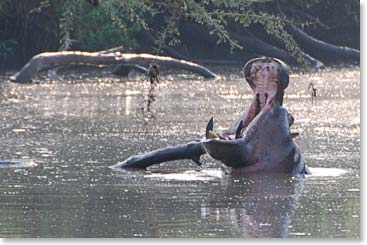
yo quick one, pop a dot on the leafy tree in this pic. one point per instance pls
(236, 26)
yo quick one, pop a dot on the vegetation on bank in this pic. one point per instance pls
(214, 31)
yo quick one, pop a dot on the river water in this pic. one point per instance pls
(68, 131)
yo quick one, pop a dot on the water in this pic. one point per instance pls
(74, 128)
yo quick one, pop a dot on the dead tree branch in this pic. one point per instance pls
(66, 58)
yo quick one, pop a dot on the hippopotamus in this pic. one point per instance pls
(259, 141)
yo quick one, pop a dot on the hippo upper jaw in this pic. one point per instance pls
(263, 76)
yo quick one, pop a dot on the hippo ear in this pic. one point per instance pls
(283, 75)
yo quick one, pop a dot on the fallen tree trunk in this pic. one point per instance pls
(124, 70)
(111, 50)
(320, 48)
(66, 58)
(252, 42)
(316, 47)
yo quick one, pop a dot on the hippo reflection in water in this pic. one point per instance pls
(259, 141)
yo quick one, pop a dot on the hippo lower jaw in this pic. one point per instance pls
(265, 145)
(236, 152)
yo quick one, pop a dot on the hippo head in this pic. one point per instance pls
(261, 136)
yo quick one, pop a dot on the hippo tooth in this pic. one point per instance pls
(239, 129)
(209, 127)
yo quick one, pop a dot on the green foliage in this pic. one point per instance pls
(244, 13)
(67, 20)
(117, 22)
(214, 21)
(84, 26)
(100, 28)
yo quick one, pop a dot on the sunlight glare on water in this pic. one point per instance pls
(78, 125)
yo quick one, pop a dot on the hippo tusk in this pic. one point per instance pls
(239, 130)
(209, 127)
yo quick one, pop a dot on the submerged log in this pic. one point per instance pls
(66, 58)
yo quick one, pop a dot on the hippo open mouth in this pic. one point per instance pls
(260, 139)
